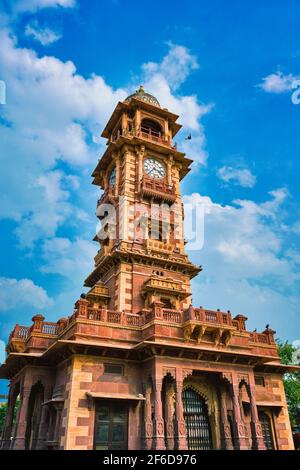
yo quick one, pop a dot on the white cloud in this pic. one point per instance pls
(21, 6)
(239, 176)
(49, 211)
(247, 267)
(278, 83)
(52, 116)
(70, 259)
(45, 36)
(161, 79)
(22, 293)
(175, 66)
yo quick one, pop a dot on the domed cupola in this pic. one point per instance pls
(140, 94)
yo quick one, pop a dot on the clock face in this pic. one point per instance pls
(154, 168)
(112, 178)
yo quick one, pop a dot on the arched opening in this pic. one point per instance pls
(150, 127)
(266, 427)
(34, 414)
(197, 421)
(168, 302)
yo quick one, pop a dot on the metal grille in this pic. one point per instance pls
(266, 430)
(196, 420)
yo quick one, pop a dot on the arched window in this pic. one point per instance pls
(151, 127)
(196, 420)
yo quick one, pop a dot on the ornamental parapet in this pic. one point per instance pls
(159, 246)
(193, 326)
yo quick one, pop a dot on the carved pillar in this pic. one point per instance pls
(158, 425)
(169, 173)
(116, 187)
(19, 440)
(148, 426)
(157, 309)
(180, 429)
(140, 171)
(50, 429)
(58, 408)
(225, 423)
(238, 425)
(44, 422)
(9, 419)
(169, 415)
(256, 430)
(248, 438)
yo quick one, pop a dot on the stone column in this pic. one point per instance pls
(116, 188)
(238, 425)
(19, 440)
(58, 408)
(225, 423)
(248, 438)
(256, 430)
(158, 425)
(169, 173)
(169, 415)
(148, 425)
(9, 420)
(140, 153)
(44, 422)
(180, 429)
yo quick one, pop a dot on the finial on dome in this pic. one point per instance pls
(141, 89)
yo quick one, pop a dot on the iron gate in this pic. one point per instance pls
(196, 420)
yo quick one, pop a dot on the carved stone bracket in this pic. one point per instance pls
(187, 331)
(243, 378)
(169, 371)
(186, 373)
(199, 332)
(227, 376)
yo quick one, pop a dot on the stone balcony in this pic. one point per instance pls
(144, 134)
(194, 327)
(157, 189)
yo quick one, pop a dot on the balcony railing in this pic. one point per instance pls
(84, 311)
(50, 328)
(173, 316)
(144, 133)
(20, 332)
(209, 316)
(158, 189)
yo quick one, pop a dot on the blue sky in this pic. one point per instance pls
(227, 68)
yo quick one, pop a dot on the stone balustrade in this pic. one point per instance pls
(84, 312)
(158, 189)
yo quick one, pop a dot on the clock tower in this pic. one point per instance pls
(141, 257)
(136, 365)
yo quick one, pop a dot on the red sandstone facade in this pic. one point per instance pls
(136, 366)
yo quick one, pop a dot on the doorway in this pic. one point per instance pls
(266, 428)
(111, 426)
